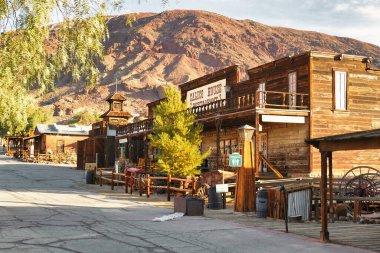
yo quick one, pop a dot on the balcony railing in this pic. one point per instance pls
(282, 100)
(137, 127)
(258, 100)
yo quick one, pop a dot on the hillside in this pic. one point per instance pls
(178, 46)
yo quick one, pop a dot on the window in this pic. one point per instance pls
(262, 95)
(340, 90)
(292, 80)
(60, 146)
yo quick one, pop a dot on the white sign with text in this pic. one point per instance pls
(207, 94)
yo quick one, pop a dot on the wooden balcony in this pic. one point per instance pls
(272, 102)
(136, 128)
(283, 103)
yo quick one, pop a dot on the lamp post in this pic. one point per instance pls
(245, 186)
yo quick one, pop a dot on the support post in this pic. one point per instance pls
(125, 181)
(168, 186)
(132, 183)
(101, 178)
(218, 125)
(324, 234)
(112, 179)
(148, 186)
(331, 197)
(140, 185)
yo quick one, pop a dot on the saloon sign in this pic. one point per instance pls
(207, 94)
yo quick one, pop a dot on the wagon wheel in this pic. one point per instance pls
(202, 191)
(356, 171)
(365, 185)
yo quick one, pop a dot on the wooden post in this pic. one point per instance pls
(132, 183)
(148, 186)
(112, 179)
(101, 177)
(245, 187)
(218, 125)
(168, 186)
(331, 197)
(193, 182)
(324, 234)
(140, 185)
(125, 181)
(357, 207)
(316, 208)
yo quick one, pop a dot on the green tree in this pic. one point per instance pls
(20, 112)
(177, 136)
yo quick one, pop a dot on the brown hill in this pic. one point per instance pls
(177, 46)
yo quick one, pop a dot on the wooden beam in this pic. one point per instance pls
(352, 144)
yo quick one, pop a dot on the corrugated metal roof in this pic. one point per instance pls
(349, 136)
(62, 129)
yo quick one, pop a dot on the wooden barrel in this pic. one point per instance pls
(215, 200)
(89, 176)
(262, 204)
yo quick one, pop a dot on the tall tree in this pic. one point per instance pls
(34, 52)
(177, 136)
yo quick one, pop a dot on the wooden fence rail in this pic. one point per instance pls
(147, 184)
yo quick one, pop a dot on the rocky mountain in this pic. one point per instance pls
(181, 45)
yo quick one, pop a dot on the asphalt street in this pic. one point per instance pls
(45, 208)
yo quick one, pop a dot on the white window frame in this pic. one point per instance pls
(340, 90)
(292, 81)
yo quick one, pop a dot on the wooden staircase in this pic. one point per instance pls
(273, 174)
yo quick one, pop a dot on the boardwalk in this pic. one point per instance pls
(365, 236)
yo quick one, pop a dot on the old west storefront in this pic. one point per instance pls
(289, 100)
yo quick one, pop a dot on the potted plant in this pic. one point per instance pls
(177, 137)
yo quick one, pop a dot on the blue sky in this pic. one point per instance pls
(359, 19)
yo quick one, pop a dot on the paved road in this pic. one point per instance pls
(49, 209)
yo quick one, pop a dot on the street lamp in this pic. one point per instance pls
(246, 132)
(245, 183)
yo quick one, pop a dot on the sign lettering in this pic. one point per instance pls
(207, 94)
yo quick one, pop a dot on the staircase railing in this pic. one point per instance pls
(270, 166)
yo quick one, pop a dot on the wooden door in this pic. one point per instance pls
(263, 149)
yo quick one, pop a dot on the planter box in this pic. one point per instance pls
(189, 206)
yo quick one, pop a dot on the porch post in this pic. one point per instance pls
(218, 124)
(331, 199)
(324, 234)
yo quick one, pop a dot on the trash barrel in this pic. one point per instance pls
(215, 200)
(262, 204)
(89, 176)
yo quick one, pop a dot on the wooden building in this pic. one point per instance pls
(287, 101)
(100, 147)
(54, 138)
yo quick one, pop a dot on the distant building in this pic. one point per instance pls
(53, 138)
(100, 147)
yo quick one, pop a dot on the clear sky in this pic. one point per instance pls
(359, 19)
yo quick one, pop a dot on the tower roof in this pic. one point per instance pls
(116, 97)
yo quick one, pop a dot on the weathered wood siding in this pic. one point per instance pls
(70, 143)
(228, 144)
(287, 150)
(363, 111)
(275, 76)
